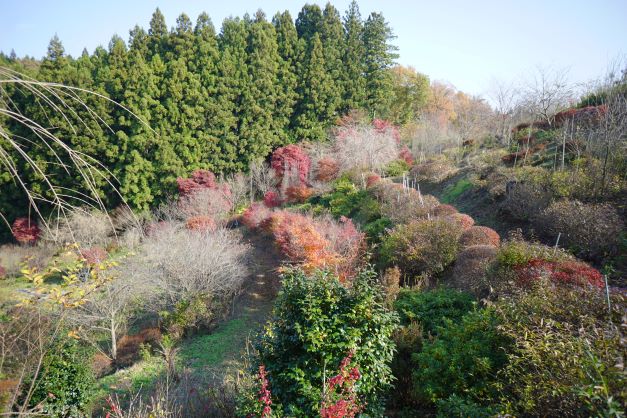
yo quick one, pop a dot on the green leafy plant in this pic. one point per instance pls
(317, 320)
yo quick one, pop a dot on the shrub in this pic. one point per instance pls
(201, 223)
(365, 148)
(291, 161)
(375, 230)
(461, 219)
(255, 215)
(85, 227)
(564, 355)
(391, 281)
(13, 257)
(25, 231)
(479, 235)
(93, 255)
(406, 155)
(200, 179)
(471, 267)
(272, 199)
(403, 205)
(592, 230)
(65, 384)
(372, 179)
(298, 194)
(177, 266)
(212, 203)
(432, 308)
(444, 210)
(327, 169)
(349, 201)
(340, 397)
(433, 170)
(3, 272)
(396, 168)
(421, 248)
(316, 321)
(456, 406)
(565, 272)
(524, 201)
(463, 360)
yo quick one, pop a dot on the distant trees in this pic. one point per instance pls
(216, 101)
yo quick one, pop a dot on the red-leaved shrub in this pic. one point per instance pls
(201, 223)
(372, 179)
(272, 199)
(463, 220)
(479, 235)
(444, 210)
(559, 272)
(264, 392)
(255, 215)
(406, 155)
(200, 179)
(340, 397)
(298, 194)
(384, 126)
(291, 160)
(328, 169)
(25, 231)
(94, 255)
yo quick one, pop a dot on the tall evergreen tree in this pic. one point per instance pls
(332, 37)
(379, 58)
(314, 108)
(309, 22)
(354, 51)
(289, 48)
(158, 32)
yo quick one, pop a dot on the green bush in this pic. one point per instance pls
(422, 248)
(317, 321)
(462, 360)
(348, 200)
(458, 407)
(564, 357)
(65, 384)
(432, 308)
(375, 230)
(396, 168)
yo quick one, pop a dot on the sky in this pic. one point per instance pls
(467, 43)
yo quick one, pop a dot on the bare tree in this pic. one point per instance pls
(505, 98)
(547, 92)
(262, 178)
(365, 148)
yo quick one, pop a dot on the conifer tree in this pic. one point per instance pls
(332, 37)
(379, 58)
(354, 81)
(309, 22)
(289, 48)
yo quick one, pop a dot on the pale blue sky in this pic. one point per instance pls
(466, 43)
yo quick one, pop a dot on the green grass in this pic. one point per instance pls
(142, 374)
(213, 349)
(451, 193)
(10, 290)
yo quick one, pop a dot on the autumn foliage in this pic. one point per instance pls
(559, 272)
(200, 179)
(94, 255)
(340, 397)
(25, 231)
(201, 223)
(291, 159)
(444, 210)
(463, 220)
(328, 169)
(298, 194)
(479, 235)
(272, 199)
(255, 215)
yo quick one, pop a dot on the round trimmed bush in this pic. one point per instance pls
(444, 210)
(470, 268)
(479, 235)
(422, 248)
(463, 220)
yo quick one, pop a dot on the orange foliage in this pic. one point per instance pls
(444, 210)
(479, 235)
(465, 221)
(328, 169)
(201, 223)
(298, 194)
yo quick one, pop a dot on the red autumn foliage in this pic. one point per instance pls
(25, 231)
(201, 223)
(444, 210)
(298, 194)
(588, 114)
(559, 272)
(317, 243)
(406, 155)
(465, 221)
(291, 159)
(272, 199)
(479, 235)
(255, 215)
(264, 393)
(340, 399)
(372, 179)
(328, 169)
(94, 255)
(200, 179)
(383, 126)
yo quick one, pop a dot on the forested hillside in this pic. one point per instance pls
(204, 98)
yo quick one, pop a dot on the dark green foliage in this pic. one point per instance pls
(462, 360)
(396, 168)
(432, 308)
(66, 382)
(456, 406)
(209, 101)
(317, 321)
(350, 201)
(376, 229)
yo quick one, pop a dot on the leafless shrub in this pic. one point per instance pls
(391, 282)
(592, 230)
(403, 204)
(85, 227)
(470, 268)
(262, 178)
(12, 257)
(177, 265)
(365, 148)
(525, 200)
(238, 185)
(436, 170)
